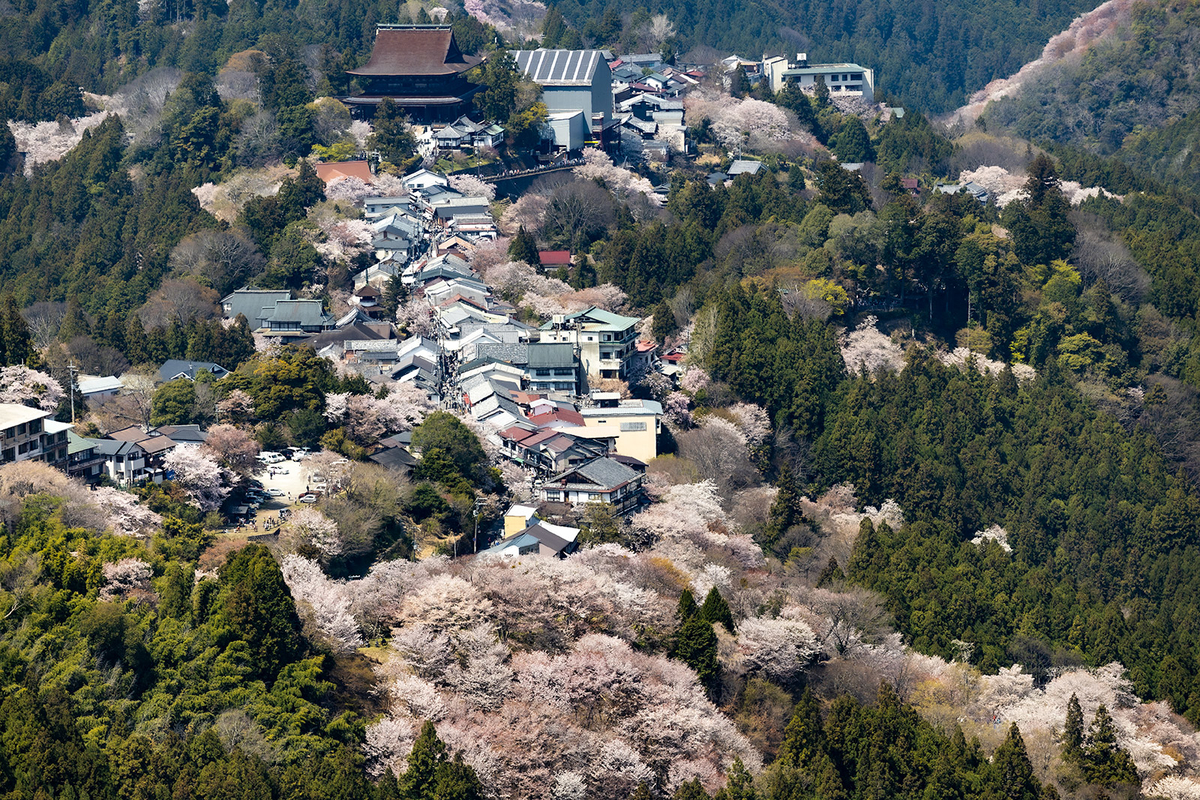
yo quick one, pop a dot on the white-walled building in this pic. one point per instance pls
(606, 341)
(843, 79)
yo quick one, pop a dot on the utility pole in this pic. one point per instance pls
(475, 513)
(71, 369)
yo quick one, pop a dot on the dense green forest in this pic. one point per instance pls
(925, 54)
(1133, 96)
(928, 54)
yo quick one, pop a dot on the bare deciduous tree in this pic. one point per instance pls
(1099, 256)
(578, 211)
(44, 320)
(225, 260)
(178, 300)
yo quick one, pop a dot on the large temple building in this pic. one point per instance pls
(421, 69)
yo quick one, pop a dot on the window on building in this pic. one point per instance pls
(21, 429)
(593, 496)
(542, 373)
(833, 78)
(553, 495)
(629, 427)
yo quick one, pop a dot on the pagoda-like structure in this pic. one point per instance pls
(421, 69)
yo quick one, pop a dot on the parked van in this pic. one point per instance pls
(270, 457)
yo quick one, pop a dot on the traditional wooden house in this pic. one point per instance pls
(421, 69)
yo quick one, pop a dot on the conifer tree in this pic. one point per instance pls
(15, 347)
(1014, 772)
(691, 790)
(428, 753)
(687, 608)
(664, 321)
(392, 137)
(523, 247)
(696, 646)
(715, 610)
(739, 84)
(1106, 761)
(739, 783)
(1073, 729)
(803, 738)
(832, 574)
(457, 780)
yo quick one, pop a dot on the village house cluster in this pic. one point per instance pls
(541, 395)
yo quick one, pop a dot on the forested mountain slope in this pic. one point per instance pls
(929, 54)
(1134, 95)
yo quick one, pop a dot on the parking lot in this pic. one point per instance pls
(291, 479)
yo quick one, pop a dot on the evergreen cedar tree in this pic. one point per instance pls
(391, 135)
(664, 321)
(1097, 755)
(15, 346)
(523, 247)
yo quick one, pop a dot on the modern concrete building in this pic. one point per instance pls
(21, 429)
(842, 79)
(606, 341)
(634, 425)
(576, 88)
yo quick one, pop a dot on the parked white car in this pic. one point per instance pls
(270, 457)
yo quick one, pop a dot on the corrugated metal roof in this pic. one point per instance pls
(559, 67)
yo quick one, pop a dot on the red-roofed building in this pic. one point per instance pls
(553, 259)
(421, 69)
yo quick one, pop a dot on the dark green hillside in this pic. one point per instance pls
(929, 54)
(1134, 96)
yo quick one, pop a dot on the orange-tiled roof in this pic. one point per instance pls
(344, 169)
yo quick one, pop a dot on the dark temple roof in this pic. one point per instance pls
(415, 50)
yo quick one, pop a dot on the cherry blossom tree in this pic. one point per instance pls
(750, 121)
(753, 422)
(368, 419)
(238, 406)
(694, 379)
(683, 510)
(416, 317)
(24, 386)
(866, 346)
(470, 186)
(621, 182)
(529, 212)
(128, 579)
(677, 410)
(233, 448)
(348, 189)
(313, 529)
(205, 481)
(780, 648)
(43, 142)
(126, 517)
(326, 599)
